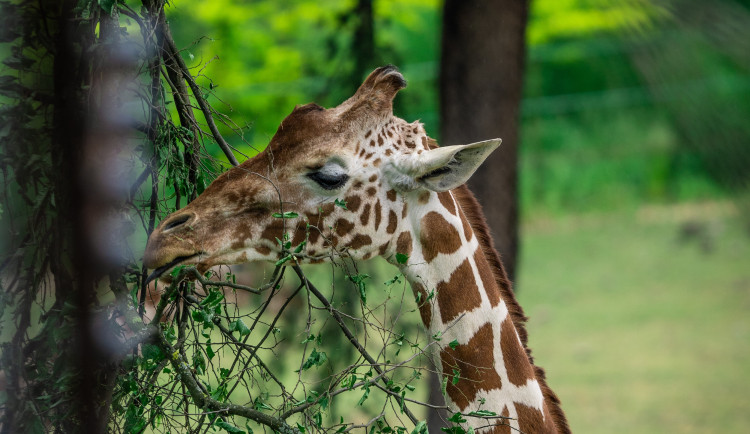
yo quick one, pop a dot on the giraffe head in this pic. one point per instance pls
(330, 180)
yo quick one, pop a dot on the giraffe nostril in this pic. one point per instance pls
(177, 221)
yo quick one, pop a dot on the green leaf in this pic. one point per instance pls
(259, 404)
(152, 352)
(177, 270)
(453, 344)
(315, 359)
(203, 317)
(456, 376)
(228, 427)
(395, 279)
(364, 396)
(421, 428)
(359, 280)
(401, 258)
(286, 215)
(213, 299)
(300, 247)
(239, 325)
(483, 413)
(199, 363)
(283, 260)
(457, 418)
(340, 203)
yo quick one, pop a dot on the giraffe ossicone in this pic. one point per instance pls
(362, 183)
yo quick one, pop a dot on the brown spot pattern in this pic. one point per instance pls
(476, 365)
(299, 234)
(391, 195)
(501, 427)
(403, 244)
(404, 210)
(365, 216)
(371, 191)
(424, 197)
(353, 202)
(383, 248)
(515, 359)
(373, 177)
(378, 215)
(437, 236)
(459, 294)
(530, 420)
(274, 230)
(392, 222)
(343, 227)
(359, 240)
(263, 250)
(314, 235)
(446, 199)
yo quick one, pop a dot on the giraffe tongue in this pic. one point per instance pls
(159, 271)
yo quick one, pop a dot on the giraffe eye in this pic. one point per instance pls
(329, 180)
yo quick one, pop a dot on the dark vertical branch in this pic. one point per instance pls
(181, 97)
(154, 47)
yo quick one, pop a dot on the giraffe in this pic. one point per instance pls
(363, 182)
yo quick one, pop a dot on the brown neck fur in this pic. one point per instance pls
(473, 211)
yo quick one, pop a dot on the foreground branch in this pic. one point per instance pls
(349, 335)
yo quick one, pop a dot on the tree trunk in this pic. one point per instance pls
(481, 74)
(480, 94)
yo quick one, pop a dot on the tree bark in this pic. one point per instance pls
(481, 75)
(481, 72)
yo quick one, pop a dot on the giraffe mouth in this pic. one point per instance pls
(164, 268)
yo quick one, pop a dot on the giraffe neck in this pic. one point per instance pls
(462, 305)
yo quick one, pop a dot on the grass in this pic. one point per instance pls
(641, 318)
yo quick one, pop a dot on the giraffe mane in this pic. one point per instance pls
(473, 212)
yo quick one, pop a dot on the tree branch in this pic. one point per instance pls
(174, 55)
(349, 335)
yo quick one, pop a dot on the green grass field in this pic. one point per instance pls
(641, 318)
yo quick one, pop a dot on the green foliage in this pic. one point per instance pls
(359, 280)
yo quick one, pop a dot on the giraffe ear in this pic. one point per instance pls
(447, 167)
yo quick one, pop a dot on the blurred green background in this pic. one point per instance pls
(633, 157)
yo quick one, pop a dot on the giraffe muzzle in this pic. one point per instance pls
(164, 268)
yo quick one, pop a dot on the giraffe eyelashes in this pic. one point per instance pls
(329, 180)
